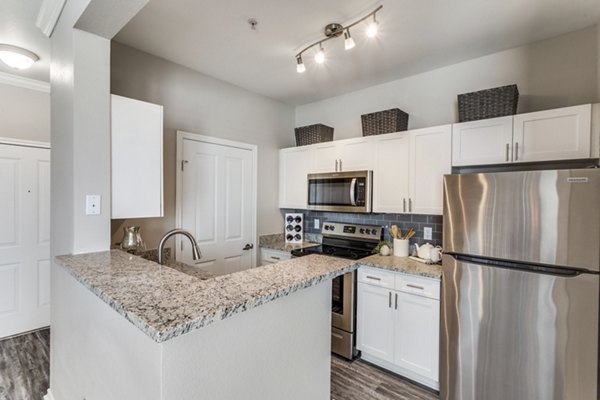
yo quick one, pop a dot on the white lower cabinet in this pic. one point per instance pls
(398, 327)
(271, 256)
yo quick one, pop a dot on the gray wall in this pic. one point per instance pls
(25, 113)
(552, 73)
(196, 103)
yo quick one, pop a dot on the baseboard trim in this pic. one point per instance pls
(48, 395)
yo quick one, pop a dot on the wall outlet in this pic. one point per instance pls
(427, 232)
(93, 204)
(317, 223)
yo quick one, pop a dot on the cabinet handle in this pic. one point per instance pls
(390, 301)
(373, 277)
(336, 165)
(396, 301)
(410, 285)
(275, 258)
(403, 205)
(409, 204)
(507, 151)
(516, 151)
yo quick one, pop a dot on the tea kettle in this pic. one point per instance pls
(132, 240)
(428, 251)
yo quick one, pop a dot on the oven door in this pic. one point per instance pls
(340, 191)
(342, 302)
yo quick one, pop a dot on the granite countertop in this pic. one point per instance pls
(165, 303)
(277, 242)
(402, 264)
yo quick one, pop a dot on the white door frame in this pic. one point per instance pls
(181, 135)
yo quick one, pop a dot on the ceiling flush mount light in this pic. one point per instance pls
(17, 57)
(335, 30)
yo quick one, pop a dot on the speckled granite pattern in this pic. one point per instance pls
(277, 242)
(402, 264)
(190, 270)
(165, 303)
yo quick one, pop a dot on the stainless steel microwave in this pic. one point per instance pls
(340, 191)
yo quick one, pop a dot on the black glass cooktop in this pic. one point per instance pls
(352, 254)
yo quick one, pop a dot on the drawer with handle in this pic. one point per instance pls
(426, 287)
(270, 256)
(376, 277)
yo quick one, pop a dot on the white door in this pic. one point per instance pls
(294, 165)
(375, 322)
(487, 141)
(561, 134)
(390, 173)
(218, 204)
(417, 334)
(24, 239)
(430, 160)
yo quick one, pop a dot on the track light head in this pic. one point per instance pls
(320, 55)
(348, 41)
(300, 68)
(373, 28)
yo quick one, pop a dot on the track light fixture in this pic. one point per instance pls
(336, 30)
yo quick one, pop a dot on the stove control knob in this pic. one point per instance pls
(326, 227)
(362, 230)
(374, 232)
(332, 228)
(368, 232)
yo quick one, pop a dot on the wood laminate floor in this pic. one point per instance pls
(25, 366)
(358, 380)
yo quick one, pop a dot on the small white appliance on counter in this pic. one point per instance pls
(294, 232)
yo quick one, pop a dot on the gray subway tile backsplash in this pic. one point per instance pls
(404, 222)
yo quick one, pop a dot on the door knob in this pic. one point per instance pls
(248, 246)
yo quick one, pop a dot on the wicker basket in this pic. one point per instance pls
(387, 121)
(312, 134)
(489, 103)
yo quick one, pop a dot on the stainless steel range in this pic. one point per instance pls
(354, 242)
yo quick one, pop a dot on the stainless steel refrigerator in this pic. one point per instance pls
(520, 286)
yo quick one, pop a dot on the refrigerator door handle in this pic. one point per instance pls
(521, 266)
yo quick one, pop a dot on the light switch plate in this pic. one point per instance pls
(427, 232)
(317, 223)
(93, 204)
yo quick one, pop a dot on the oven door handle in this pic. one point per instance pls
(352, 192)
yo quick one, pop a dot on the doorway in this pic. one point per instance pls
(24, 236)
(216, 202)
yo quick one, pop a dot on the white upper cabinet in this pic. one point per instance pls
(344, 155)
(561, 134)
(552, 135)
(136, 158)
(430, 159)
(390, 173)
(294, 164)
(487, 141)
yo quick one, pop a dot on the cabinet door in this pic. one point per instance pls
(430, 160)
(136, 158)
(390, 173)
(357, 154)
(488, 141)
(375, 322)
(326, 157)
(294, 164)
(417, 326)
(561, 134)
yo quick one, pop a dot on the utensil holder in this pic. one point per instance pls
(401, 247)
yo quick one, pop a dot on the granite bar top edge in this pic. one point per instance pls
(403, 265)
(277, 242)
(268, 291)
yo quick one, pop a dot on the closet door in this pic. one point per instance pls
(24, 239)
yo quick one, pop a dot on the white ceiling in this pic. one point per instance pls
(214, 38)
(17, 27)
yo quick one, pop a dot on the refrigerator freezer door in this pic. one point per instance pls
(540, 217)
(510, 334)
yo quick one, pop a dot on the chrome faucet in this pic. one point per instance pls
(196, 254)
